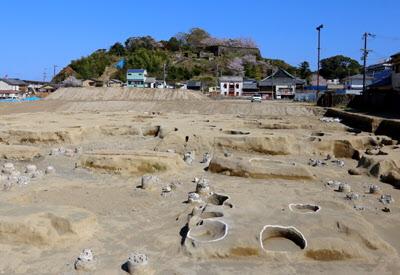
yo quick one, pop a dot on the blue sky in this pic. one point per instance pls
(40, 34)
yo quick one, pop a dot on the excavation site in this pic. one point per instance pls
(151, 181)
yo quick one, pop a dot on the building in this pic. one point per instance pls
(150, 82)
(194, 85)
(231, 85)
(376, 69)
(280, 85)
(115, 83)
(136, 78)
(92, 82)
(250, 87)
(354, 84)
(49, 88)
(13, 84)
(12, 94)
(396, 71)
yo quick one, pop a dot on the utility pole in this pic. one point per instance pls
(366, 52)
(44, 74)
(54, 74)
(164, 77)
(319, 50)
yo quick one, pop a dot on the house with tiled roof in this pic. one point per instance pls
(12, 88)
(194, 85)
(281, 85)
(92, 82)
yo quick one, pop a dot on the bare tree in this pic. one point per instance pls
(72, 82)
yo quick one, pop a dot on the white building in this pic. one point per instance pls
(354, 84)
(231, 85)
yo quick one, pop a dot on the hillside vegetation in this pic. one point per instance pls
(186, 56)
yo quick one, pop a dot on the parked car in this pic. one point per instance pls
(256, 98)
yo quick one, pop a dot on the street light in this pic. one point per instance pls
(319, 49)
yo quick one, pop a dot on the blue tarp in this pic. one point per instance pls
(120, 64)
(23, 99)
(321, 88)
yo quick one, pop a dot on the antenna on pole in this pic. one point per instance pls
(54, 74)
(364, 57)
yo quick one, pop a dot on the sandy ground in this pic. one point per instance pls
(94, 199)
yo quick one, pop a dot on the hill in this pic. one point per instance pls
(186, 56)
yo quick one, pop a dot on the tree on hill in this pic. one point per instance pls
(195, 37)
(339, 66)
(304, 71)
(72, 82)
(117, 49)
(133, 44)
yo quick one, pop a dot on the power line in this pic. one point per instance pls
(388, 37)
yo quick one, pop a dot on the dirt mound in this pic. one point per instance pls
(19, 152)
(259, 168)
(124, 94)
(131, 162)
(39, 224)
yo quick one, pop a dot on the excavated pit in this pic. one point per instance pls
(282, 239)
(304, 208)
(208, 231)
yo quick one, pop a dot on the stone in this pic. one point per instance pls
(54, 151)
(339, 163)
(50, 170)
(138, 264)
(175, 184)
(86, 261)
(344, 188)
(78, 149)
(30, 169)
(38, 175)
(187, 158)
(228, 155)
(7, 168)
(207, 158)
(69, 153)
(386, 199)
(352, 197)
(375, 189)
(203, 187)
(23, 180)
(194, 198)
(148, 181)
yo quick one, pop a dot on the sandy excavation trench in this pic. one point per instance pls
(114, 217)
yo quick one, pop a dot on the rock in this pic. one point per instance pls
(207, 158)
(203, 187)
(78, 149)
(352, 197)
(194, 198)
(30, 169)
(148, 181)
(386, 209)
(375, 189)
(228, 155)
(69, 153)
(50, 170)
(386, 199)
(175, 184)
(86, 261)
(344, 188)
(7, 168)
(138, 264)
(54, 151)
(38, 175)
(339, 163)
